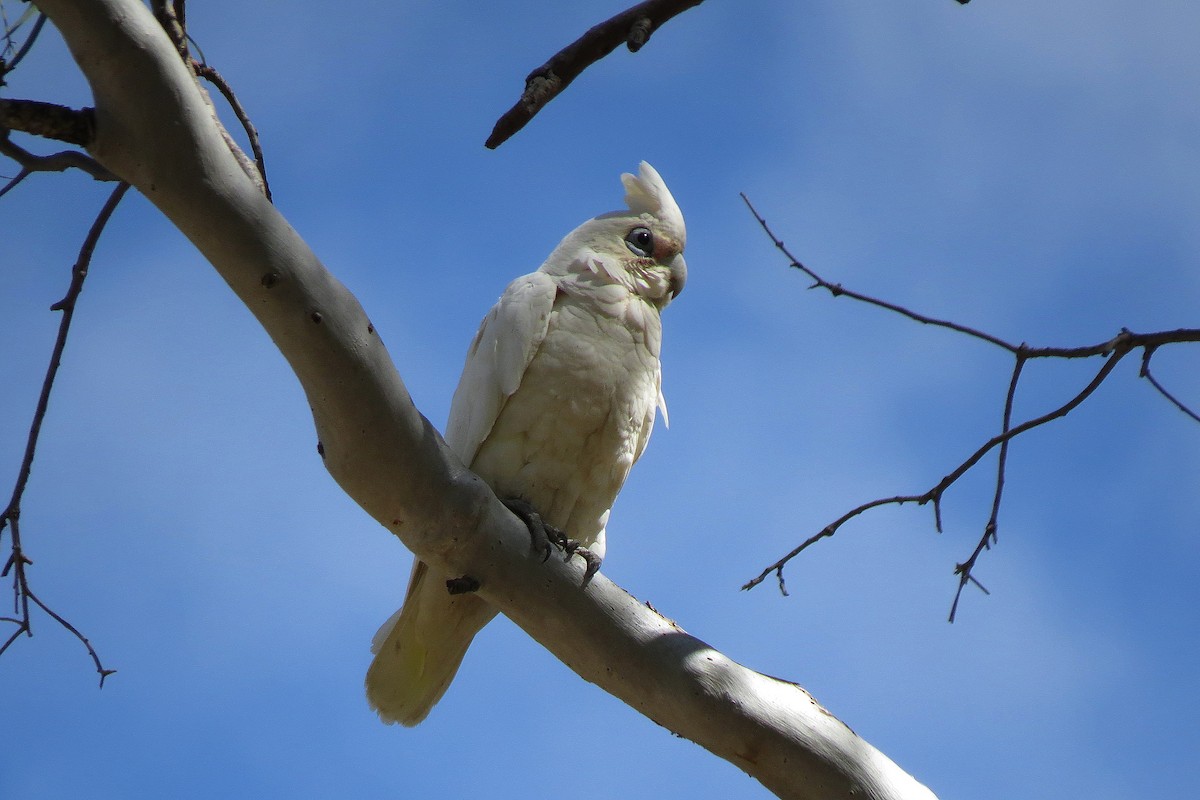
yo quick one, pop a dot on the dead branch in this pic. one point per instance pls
(1112, 350)
(632, 27)
(18, 561)
(48, 120)
(8, 66)
(55, 162)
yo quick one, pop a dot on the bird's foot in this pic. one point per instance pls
(593, 563)
(544, 537)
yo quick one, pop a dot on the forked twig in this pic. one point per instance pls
(18, 561)
(1112, 350)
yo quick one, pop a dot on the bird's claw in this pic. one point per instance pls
(544, 537)
(593, 563)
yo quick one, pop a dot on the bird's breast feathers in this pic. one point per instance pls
(567, 438)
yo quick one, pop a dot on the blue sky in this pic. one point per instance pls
(1026, 168)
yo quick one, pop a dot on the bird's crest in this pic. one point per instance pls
(647, 193)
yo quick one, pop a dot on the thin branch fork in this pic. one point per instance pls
(78, 126)
(632, 27)
(55, 162)
(17, 561)
(1112, 350)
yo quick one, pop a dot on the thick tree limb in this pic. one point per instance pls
(154, 129)
(49, 120)
(632, 27)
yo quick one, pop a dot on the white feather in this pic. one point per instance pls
(556, 402)
(505, 344)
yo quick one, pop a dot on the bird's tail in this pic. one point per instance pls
(419, 649)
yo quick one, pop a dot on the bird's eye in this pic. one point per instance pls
(640, 241)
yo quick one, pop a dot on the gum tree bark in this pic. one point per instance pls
(155, 129)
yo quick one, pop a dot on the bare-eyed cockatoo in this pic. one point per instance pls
(555, 403)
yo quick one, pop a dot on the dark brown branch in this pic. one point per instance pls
(989, 530)
(837, 290)
(1177, 336)
(24, 595)
(632, 27)
(1145, 373)
(935, 494)
(17, 560)
(170, 16)
(74, 126)
(830, 530)
(1113, 350)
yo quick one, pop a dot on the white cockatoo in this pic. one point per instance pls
(555, 403)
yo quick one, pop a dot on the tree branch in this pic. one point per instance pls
(1147, 354)
(1113, 350)
(56, 162)
(17, 561)
(8, 66)
(154, 129)
(632, 27)
(49, 120)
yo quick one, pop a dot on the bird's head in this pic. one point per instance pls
(640, 248)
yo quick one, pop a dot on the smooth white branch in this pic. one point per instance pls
(155, 130)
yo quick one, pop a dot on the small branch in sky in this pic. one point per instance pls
(632, 27)
(1147, 354)
(1112, 350)
(56, 162)
(11, 64)
(837, 290)
(18, 561)
(989, 530)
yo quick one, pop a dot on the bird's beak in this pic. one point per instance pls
(678, 269)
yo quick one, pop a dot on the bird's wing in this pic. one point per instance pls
(506, 342)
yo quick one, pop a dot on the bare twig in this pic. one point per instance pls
(837, 290)
(8, 66)
(1147, 354)
(632, 27)
(17, 560)
(1112, 350)
(55, 162)
(989, 530)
